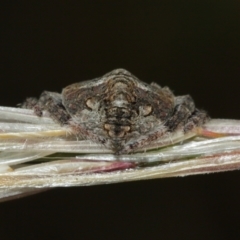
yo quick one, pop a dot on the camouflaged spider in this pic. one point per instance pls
(119, 111)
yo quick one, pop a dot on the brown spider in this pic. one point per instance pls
(119, 111)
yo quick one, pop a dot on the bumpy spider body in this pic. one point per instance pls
(119, 111)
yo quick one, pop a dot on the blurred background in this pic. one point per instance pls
(190, 46)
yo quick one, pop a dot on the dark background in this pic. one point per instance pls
(191, 46)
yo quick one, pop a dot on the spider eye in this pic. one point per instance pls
(145, 110)
(91, 103)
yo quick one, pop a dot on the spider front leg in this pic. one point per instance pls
(185, 115)
(50, 102)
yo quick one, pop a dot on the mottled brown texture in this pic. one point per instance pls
(119, 111)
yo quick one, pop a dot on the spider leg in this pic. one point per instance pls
(50, 102)
(185, 115)
(141, 141)
(197, 119)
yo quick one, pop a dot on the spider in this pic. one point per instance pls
(119, 111)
